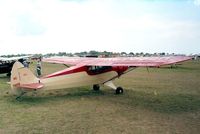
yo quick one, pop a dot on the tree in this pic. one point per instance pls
(93, 53)
(131, 54)
(123, 53)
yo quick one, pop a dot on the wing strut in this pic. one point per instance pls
(117, 76)
(110, 84)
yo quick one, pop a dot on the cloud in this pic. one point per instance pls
(197, 2)
(25, 26)
(43, 26)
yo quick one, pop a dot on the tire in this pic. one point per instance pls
(96, 87)
(119, 90)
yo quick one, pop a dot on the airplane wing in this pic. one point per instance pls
(13, 58)
(120, 61)
(66, 60)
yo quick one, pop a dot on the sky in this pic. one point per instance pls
(51, 26)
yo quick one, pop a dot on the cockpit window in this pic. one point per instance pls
(98, 69)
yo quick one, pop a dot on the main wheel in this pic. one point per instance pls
(119, 90)
(96, 87)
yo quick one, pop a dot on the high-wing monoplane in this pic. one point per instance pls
(84, 72)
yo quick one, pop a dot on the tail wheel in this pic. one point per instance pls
(96, 87)
(119, 90)
(8, 74)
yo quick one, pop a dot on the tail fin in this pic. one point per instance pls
(22, 77)
(15, 77)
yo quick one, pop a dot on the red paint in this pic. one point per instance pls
(119, 69)
(77, 69)
(74, 69)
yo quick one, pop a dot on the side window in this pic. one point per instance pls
(92, 70)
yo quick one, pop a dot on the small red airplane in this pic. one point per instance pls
(84, 72)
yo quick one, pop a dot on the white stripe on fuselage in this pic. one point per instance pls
(76, 80)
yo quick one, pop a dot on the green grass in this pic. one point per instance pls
(162, 100)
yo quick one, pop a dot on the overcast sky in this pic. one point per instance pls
(43, 26)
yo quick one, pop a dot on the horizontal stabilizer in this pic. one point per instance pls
(22, 77)
(31, 86)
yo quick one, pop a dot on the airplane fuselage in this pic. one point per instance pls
(81, 76)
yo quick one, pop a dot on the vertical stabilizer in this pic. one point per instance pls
(15, 77)
(23, 78)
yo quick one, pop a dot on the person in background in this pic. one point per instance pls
(25, 63)
(39, 68)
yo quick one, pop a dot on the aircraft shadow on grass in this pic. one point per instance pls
(162, 103)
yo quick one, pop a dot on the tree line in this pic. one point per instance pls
(89, 53)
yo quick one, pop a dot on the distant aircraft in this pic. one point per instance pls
(6, 64)
(84, 72)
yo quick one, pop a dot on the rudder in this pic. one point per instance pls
(21, 75)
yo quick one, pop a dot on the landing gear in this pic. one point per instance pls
(18, 97)
(96, 87)
(119, 90)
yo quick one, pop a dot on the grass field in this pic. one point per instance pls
(163, 101)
